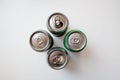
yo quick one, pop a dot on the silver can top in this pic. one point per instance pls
(39, 40)
(76, 41)
(57, 59)
(57, 22)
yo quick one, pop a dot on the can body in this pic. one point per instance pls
(57, 24)
(57, 58)
(41, 41)
(75, 41)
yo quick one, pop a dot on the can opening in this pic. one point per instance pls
(58, 22)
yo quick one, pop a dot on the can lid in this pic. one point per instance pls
(39, 40)
(57, 58)
(57, 22)
(75, 41)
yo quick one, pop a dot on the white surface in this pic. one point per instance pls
(98, 19)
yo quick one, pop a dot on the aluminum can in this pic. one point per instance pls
(57, 58)
(57, 24)
(75, 41)
(41, 40)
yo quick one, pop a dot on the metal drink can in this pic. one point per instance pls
(75, 41)
(57, 24)
(57, 58)
(41, 41)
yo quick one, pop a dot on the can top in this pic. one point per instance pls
(39, 40)
(57, 22)
(75, 40)
(57, 58)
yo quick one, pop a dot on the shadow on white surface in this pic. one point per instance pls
(75, 63)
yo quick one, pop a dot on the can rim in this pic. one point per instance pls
(48, 22)
(64, 52)
(65, 41)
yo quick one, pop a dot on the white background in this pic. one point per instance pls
(98, 19)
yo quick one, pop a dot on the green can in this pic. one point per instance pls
(75, 41)
(57, 24)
